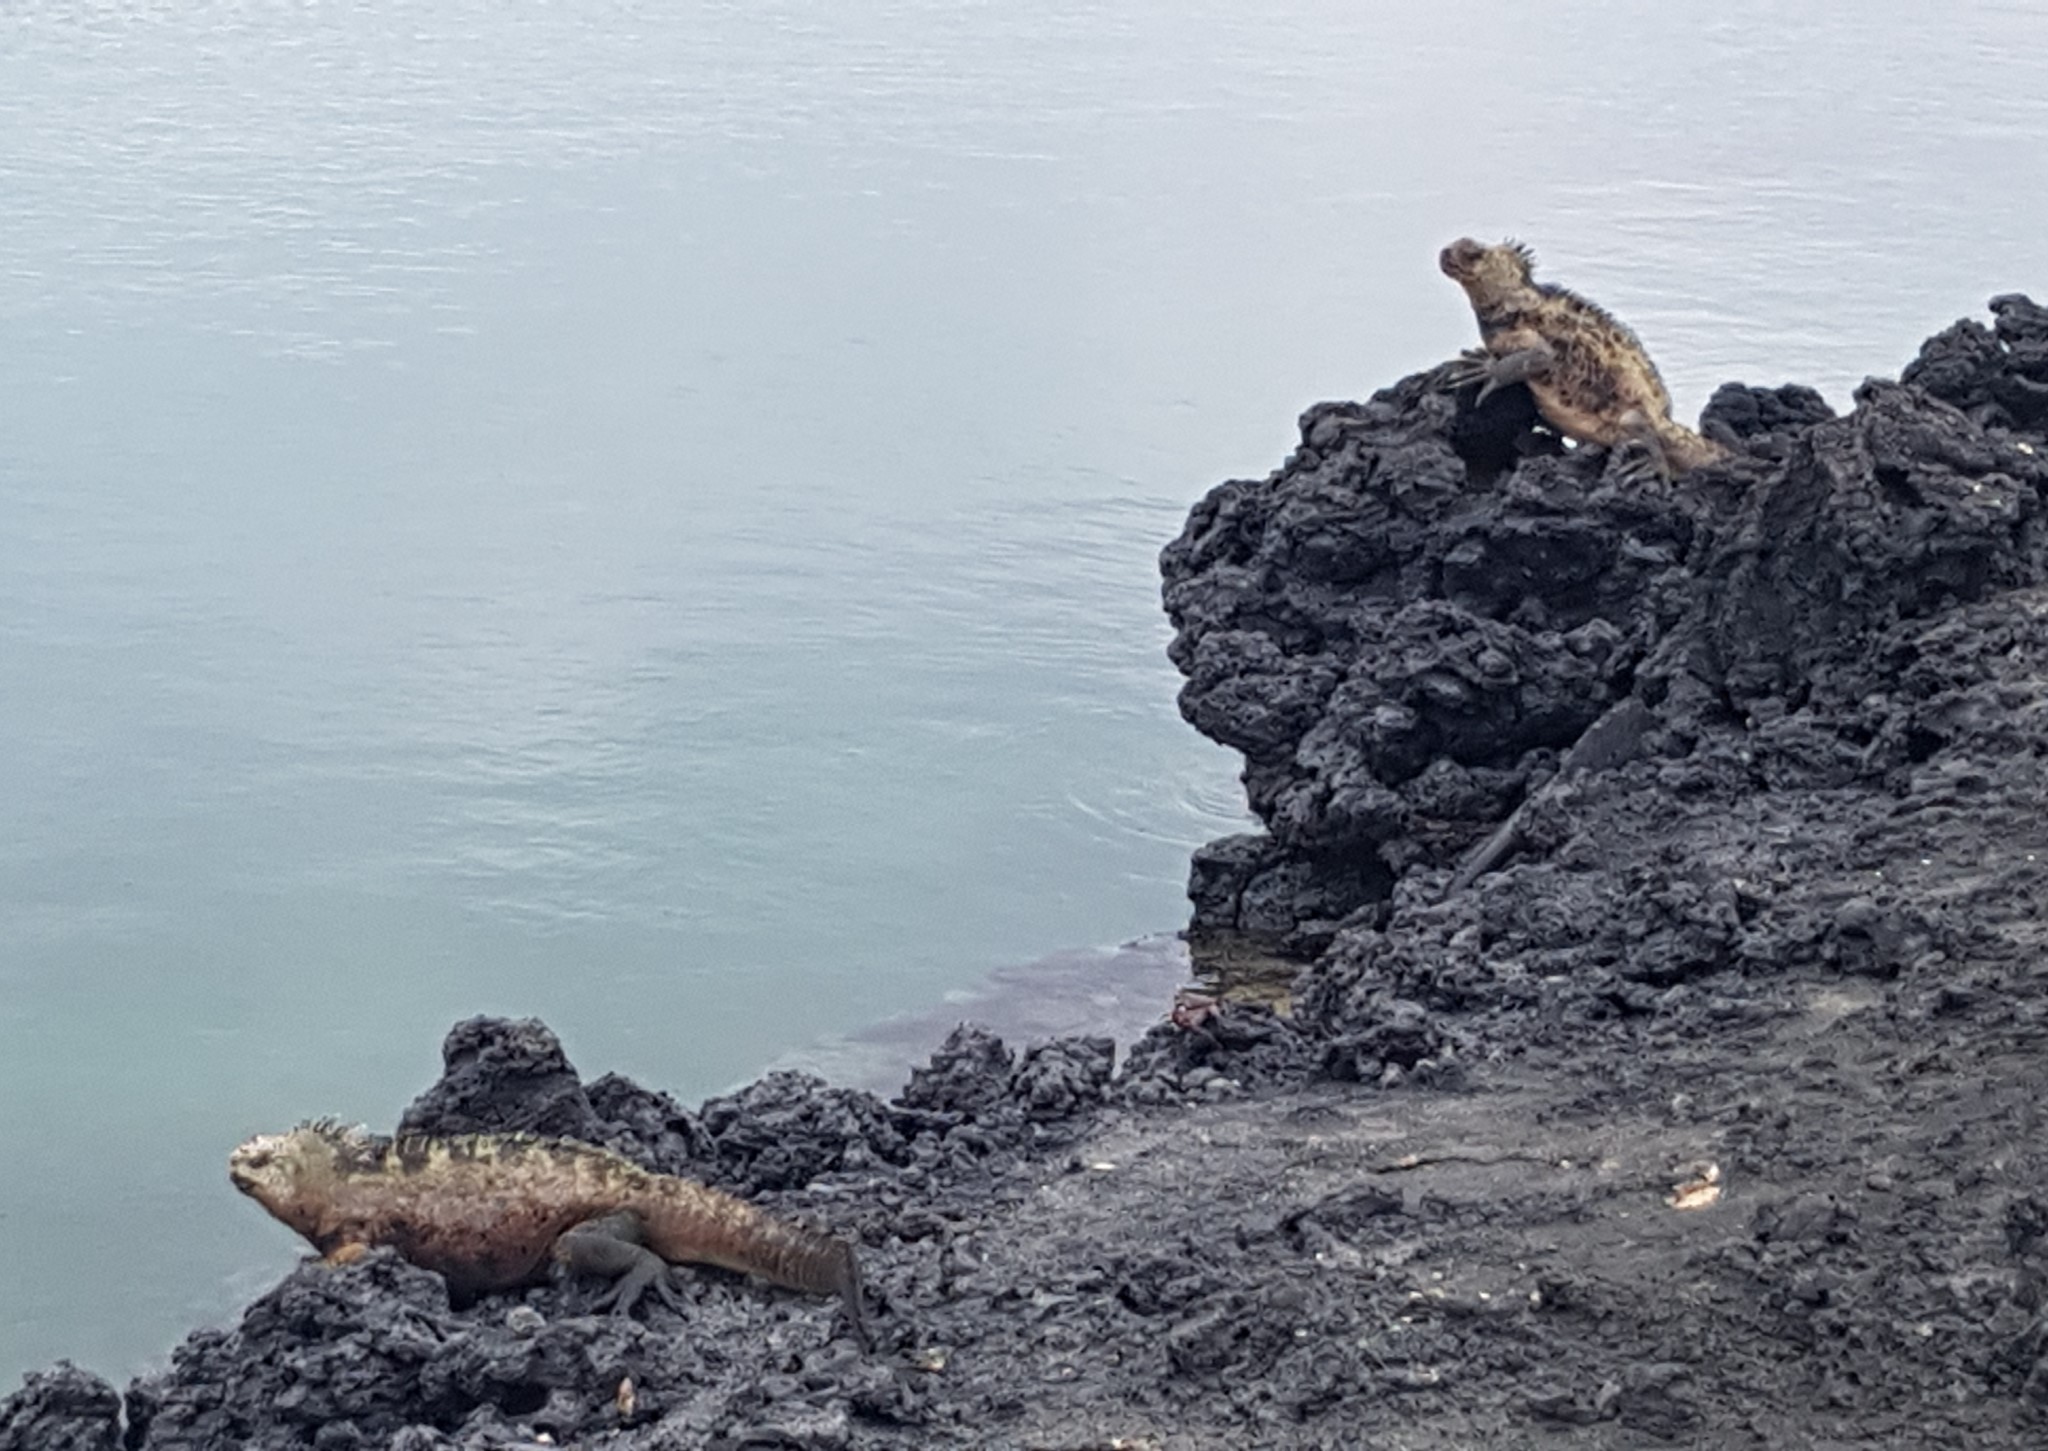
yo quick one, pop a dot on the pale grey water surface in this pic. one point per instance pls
(645, 514)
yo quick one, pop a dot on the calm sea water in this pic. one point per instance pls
(645, 513)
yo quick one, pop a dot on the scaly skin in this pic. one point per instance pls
(488, 1211)
(1588, 373)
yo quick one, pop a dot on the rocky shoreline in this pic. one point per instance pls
(1667, 866)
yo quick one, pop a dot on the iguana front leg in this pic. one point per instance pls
(615, 1246)
(1513, 357)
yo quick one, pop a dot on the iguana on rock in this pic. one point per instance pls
(1588, 373)
(488, 1211)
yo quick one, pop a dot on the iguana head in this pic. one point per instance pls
(1487, 273)
(292, 1174)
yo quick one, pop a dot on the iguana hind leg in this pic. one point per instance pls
(1639, 455)
(615, 1246)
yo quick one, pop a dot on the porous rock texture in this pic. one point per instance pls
(1644, 847)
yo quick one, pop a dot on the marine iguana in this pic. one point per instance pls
(1588, 373)
(487, 1211)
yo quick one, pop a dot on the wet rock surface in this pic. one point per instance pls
(1668, 867)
